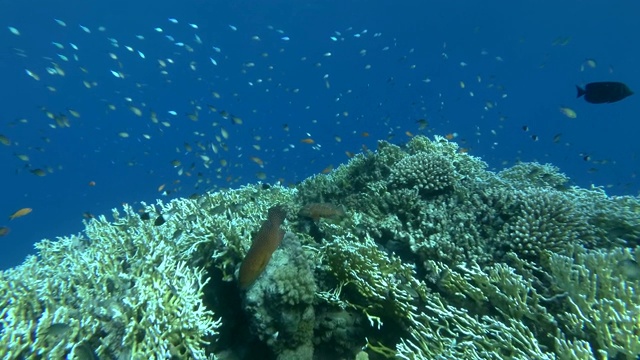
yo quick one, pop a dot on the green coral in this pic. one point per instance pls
(602, 305)
(478, 314)
(380, 283)
(527, 175)
(544, 220)
(427, 173)
(515, 217)
(128, 288)
(124, 290)
(435, 257)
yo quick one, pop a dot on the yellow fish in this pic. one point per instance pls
(4, 140)
(20, 213)
(568, 112)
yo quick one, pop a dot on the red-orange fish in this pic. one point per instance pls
(265, 242)
(328, 169)
(316, 211)
(20, 213)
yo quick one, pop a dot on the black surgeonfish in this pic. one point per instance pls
(604, 92)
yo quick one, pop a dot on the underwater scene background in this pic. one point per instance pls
(311, 180)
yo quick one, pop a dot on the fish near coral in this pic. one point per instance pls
(265, 242)
(316, 211)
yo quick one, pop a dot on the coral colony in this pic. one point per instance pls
(414, 252)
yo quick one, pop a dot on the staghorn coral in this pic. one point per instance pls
(130, 289)
(123, 291)
(478, 314)
(601, 304)
(380, 288)
(447, 332)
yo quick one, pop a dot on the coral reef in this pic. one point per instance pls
(280, 303)
(125, 290)
(413, 252)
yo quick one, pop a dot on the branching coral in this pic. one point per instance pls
(428, 173)
(602, 306)
(544, 220)
(122, 291)
(428, 256)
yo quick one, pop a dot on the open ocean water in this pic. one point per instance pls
(113, 102)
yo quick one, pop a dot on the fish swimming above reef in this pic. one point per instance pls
(20, 213)
(604, 92)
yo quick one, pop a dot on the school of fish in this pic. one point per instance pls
(214, 139)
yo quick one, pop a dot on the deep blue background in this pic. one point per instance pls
(525, 74)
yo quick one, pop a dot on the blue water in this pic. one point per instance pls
(357, 71)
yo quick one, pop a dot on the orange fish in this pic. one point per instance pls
(316, 211)
(257, 160)
(308, 141)
(265, 242)
(20, 213)
(328, 169)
